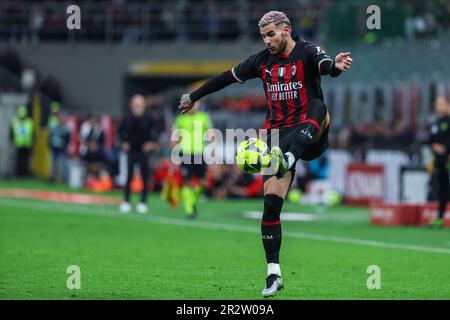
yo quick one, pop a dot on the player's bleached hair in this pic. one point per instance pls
(276, 17)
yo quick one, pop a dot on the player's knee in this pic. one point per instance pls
(272, 207)
(311, 126)
(317, 110)
(315, 117)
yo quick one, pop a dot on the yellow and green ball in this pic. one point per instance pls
(334, 197)
(252, 155)
(294, 196)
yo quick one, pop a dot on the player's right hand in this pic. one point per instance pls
(186, 103)
(343, 61)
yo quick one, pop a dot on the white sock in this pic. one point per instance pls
(273, 268)
(291, 159)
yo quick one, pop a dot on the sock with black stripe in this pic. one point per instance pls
(271, 229)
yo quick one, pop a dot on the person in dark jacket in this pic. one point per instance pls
(135, 132)
(440, 146)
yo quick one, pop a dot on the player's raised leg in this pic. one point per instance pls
(308, 132)
(275, 191)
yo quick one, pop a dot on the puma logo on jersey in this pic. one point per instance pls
(269, 72)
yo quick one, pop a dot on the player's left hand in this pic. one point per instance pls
(343, 61)
(185, 103)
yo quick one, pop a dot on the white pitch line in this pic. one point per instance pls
(86, 210)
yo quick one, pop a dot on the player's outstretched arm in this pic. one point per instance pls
(334, 68)
(215, 84)
(326, 65)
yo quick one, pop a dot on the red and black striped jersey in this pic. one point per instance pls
(290, 81)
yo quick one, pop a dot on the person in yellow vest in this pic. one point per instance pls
(22, 128)
(189, 130)
(59, 139)
(55, 110)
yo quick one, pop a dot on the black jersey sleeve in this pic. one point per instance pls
(246, 70)
(215, 84)
(322, 62)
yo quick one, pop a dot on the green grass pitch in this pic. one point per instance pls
(162, 255)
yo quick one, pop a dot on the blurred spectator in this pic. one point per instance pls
(94, 159)
(132, 32)
(427, 20)
(59, 141)
(21, 134)
(92, 137)
(36, 23)
(55, 110)
(217, 179)
(92, 141)
(135, 132)
(243, 185)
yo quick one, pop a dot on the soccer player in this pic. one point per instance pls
(135, 131)
(440, 146)
(290, 69)
(189, 129)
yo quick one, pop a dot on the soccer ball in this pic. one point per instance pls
(294, 196)
(252, 155)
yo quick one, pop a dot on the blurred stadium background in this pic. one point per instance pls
(378, 158)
